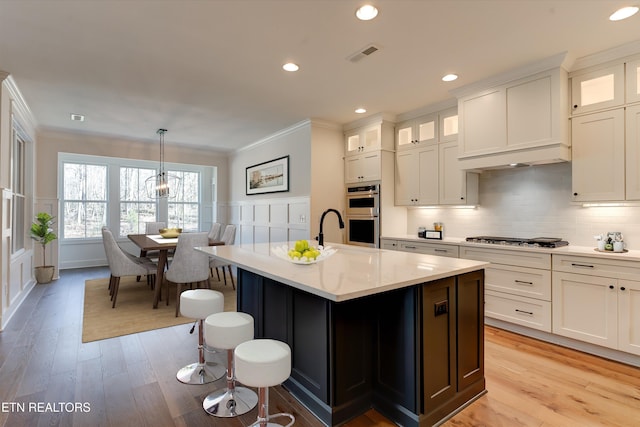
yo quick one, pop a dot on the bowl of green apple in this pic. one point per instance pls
(303, 253)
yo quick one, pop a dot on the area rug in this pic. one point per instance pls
(133, 312)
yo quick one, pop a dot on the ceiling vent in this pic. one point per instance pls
(363, 53)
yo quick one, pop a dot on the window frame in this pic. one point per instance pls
(206, 174)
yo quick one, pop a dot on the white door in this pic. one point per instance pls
(629, 316)
(597, 154)
(585, 308)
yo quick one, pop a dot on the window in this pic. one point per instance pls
(18, 186)
(96, 191)
(135, 207)
(184, 209)
(84, 203)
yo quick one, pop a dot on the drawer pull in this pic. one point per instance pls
(573, 264)
(524, 312)
(410, 247)
(441, 250)
(522, 282)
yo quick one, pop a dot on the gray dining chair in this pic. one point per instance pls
(122, 263)
(214, 232)
(229, 238)
(188, 266)
(151, 228)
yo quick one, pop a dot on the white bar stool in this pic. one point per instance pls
(198, 304)
(226, 331)
(263, 363)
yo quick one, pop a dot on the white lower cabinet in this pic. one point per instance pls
(430, 248)
(517, 285)
(389, 244)
(602, 310)
(529, 312)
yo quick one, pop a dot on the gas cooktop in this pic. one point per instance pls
(536, 242)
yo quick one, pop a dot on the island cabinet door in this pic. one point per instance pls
(438, 343)
(470, 329)
(295, 317)
(397, 352)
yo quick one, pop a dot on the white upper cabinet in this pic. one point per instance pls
(362, 167)
(633, 81)
(448, 125)
(598, 151)
(422, 130)
(597, 89)
(362, 140)
(416, 181)
(365, 142)
(632, 157)
(519, 117)
(456, 186)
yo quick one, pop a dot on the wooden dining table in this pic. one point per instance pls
(146, 244)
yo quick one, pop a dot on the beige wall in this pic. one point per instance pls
(293, 142)
(50, 143)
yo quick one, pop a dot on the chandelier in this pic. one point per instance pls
(163, 185)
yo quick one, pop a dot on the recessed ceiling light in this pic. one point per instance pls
(290, 66)
(77, 117)
(366, 12)
(449, 77)
(623, 13)
(361, 110)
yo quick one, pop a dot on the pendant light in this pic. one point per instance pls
(163, 185)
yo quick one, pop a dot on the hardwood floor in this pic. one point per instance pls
(130, 381)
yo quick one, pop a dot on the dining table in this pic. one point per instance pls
(155, 242)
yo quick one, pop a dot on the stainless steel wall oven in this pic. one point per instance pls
(363, 215)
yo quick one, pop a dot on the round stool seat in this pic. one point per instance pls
(262, 362)
(228, 329)
(200, 303)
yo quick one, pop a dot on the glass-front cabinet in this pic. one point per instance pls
(633, 81)
(362, 140)
(419, 131)
(448, 125)
(597, 89)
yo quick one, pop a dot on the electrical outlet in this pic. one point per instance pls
(441, 307)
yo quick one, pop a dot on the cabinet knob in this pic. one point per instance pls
(611, 286)
(575, 106)
(461, 198)
(575, 194)
(623, 288)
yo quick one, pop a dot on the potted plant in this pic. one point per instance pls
(42, 232)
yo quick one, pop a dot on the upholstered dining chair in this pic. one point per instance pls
(229, 238)
(214, 232)
(151, 228)
(122, 263)
(188, 266)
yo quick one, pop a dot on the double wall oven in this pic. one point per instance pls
(363, 215)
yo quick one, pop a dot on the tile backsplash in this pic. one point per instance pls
(531, 201)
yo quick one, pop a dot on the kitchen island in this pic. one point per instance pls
(399, 332)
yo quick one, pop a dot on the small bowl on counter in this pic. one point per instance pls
(170, 233)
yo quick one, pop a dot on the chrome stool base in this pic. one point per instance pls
(230, 403)
(201, 373)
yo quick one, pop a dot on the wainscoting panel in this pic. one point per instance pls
(271, 220)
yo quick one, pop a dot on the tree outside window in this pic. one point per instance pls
(184, 209)
(136, 208)
(84, 200)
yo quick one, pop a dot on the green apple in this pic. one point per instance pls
(301, 246)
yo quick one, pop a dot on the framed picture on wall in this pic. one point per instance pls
(268, 177)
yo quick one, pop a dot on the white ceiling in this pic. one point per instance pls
(210, 71)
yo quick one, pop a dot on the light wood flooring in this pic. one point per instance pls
(130, 381)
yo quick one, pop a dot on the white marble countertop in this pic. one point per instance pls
(352, 272)
(631, 255)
